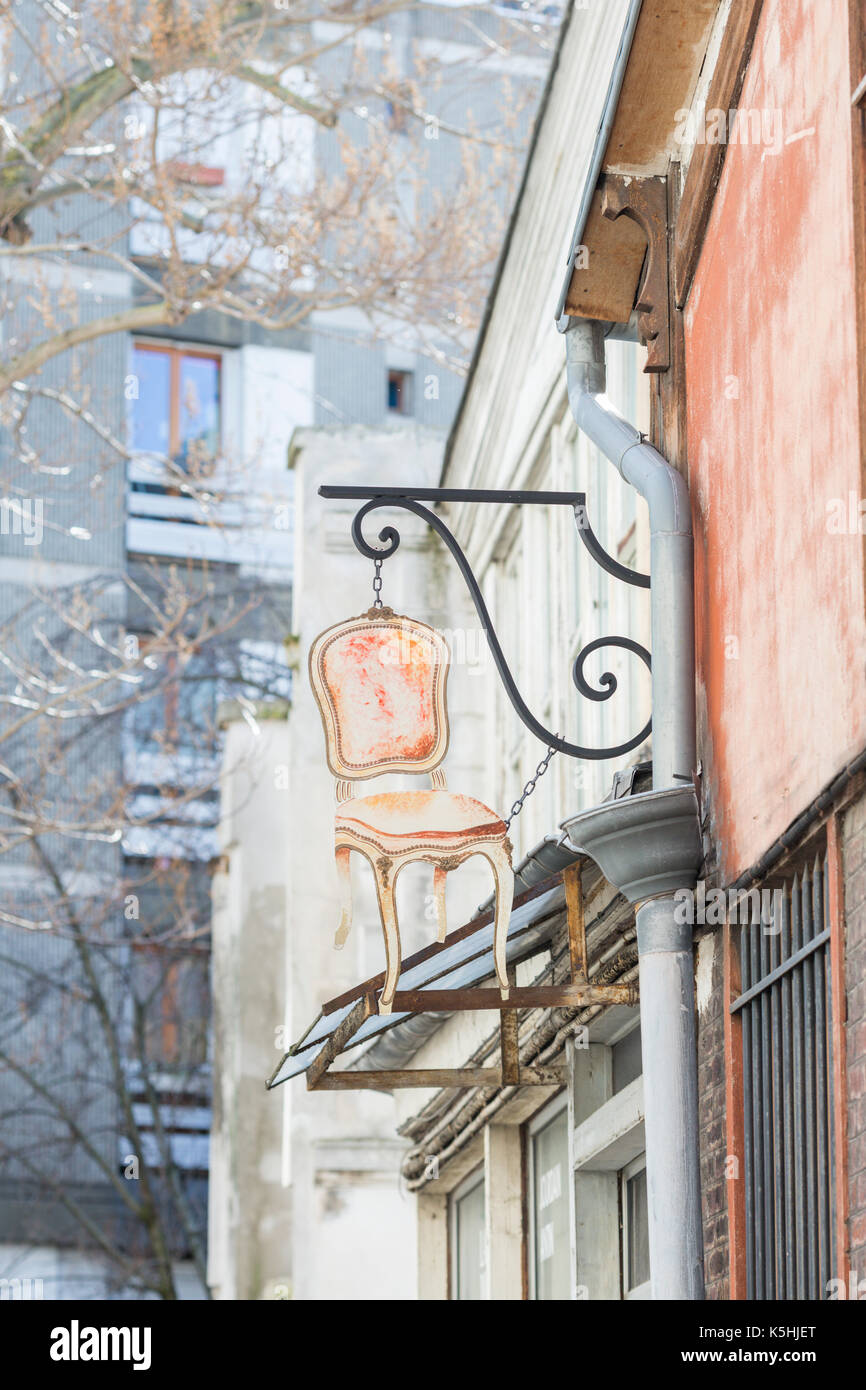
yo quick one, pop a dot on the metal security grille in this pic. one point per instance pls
(786, 1013)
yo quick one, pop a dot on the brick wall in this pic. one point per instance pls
(854, 867)
(711, 1112)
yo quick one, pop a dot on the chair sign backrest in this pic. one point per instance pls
(379, 681)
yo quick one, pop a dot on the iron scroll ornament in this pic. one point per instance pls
(375, 499)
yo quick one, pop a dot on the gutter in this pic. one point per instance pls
(671, 550)
(649, 844)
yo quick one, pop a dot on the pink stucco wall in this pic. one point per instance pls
(773, 437)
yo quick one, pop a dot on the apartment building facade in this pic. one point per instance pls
(219, 399)
(719, 195)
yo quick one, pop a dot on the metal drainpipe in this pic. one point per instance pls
(667, 1001)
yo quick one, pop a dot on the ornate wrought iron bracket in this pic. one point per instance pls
(411, 500)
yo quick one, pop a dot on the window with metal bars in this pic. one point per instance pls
(785, 1011)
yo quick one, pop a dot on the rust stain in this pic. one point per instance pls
(384, 686)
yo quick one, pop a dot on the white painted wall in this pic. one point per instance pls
(547, 596)
(353, 1227)
(249, 1207)
(305, 1190)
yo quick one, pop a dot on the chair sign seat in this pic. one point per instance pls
(380, 683)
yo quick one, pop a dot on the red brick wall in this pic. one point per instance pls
(854, 866)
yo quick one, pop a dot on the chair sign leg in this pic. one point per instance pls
(388, 913)
(344, 881)
(439, 877)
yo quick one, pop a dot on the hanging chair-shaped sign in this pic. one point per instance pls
(380, 684)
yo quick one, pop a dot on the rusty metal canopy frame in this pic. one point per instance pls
(361, 1004)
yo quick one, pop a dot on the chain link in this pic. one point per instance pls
(377, 584)
(530, 786)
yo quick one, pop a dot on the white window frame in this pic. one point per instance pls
(477, 1178)
(640, 1291)
(540, 1121)
(608, 1141)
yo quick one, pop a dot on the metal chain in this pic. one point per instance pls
(377, 584)
(530, 786)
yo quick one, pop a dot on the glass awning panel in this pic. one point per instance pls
(455, 965)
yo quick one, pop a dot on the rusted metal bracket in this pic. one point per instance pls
(509, 1073)
(645, 201)
(564, 996)
(344, 1031)
(578, 992)
(436, 1078)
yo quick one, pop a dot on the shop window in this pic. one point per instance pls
(400, 393)
(468, 1240)
(550, 1243)
(176, 404)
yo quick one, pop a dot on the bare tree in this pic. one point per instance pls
(104, 1027)
(126, 102)
(169, 146)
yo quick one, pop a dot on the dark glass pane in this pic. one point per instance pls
(151, 402)
(626, 1060)
(470, 1245)
(199, 409)
(400, 392)
(638, 1230)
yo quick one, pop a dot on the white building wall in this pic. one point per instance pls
(306, 1200)
(547, 596)
(353, 1227)
(249, 1226)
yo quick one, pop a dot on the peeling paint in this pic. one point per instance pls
(771, 365)
(706, 954)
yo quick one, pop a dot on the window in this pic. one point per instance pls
(176, 1011)
(468, 1240)
(550, 1242)
(635, 1230)
(176, 404)
(608, 1153)
(397, 109)
(400, 393)
(785, 1011)
(181, 711)
(626, 1062)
